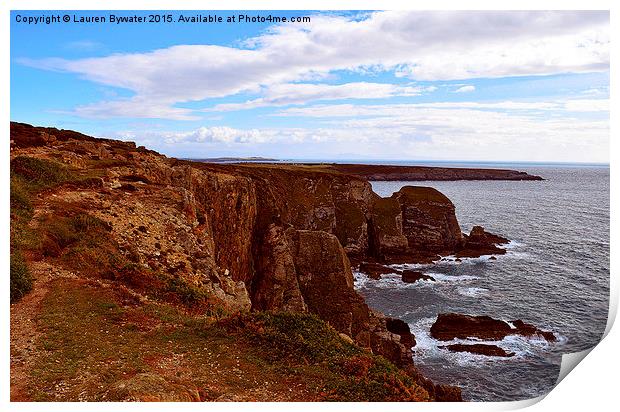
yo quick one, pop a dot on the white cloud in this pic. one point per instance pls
(465, 89)
(350, 110)
(416, 45)
(138, 107)
(301, 93)
(216, 134)
(467, 131)
(585, 105)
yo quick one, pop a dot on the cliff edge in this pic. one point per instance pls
(235, 248)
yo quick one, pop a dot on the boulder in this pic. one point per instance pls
(401, 329)
(450, 326)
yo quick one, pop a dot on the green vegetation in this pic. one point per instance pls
(94, 337)
(296, 336)
(30, 176)
(21, 280)
(188, 293)
(39, 174)
(79, 229)
(304, 344)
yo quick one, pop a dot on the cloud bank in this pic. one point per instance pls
(421, 46)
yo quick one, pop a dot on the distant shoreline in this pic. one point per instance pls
(387, 162)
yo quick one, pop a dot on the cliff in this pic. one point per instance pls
(223, 240)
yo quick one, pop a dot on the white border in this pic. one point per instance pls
(591, 386)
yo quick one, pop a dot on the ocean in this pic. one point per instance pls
(555, 276)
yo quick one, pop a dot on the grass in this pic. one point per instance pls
(38, 173)
(303, 344)
(29, 176)
(188, 293)
(78, 229)
(94, 337)
(21, 279)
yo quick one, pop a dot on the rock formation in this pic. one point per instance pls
(450, 326)
(479, 242)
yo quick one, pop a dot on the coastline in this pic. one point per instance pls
(274, 246)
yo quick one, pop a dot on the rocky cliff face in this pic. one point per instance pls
(415, 224)
(254, 236)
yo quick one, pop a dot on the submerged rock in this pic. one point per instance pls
(411, 276)
(375, 270)
(479, 349)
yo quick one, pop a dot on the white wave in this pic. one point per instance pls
(394, 280)
(428, 347)
(359, 279)
(409, 266)
(441, 277)
(513, 244)
(473, 292)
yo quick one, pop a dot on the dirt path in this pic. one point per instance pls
(24, 333)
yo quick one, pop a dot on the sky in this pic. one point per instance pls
(381, 85)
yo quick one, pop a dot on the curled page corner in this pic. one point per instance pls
(569, 361)
(522, 404)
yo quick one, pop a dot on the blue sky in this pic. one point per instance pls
(493, 86)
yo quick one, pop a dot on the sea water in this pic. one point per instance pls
(555, 276)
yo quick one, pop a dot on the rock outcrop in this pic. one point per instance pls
(479, 242)
(450, 326)
(402, 329)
